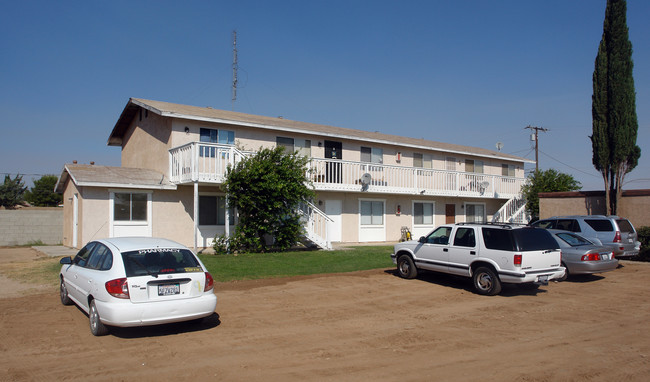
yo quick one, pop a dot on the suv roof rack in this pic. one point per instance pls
(498, 224)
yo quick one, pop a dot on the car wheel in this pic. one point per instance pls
(65, 299)
(486, 282)
(566, 273)
(406, 268)
(97, 328)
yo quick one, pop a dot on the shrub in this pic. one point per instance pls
(644, 237)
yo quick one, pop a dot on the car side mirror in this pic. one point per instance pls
(66, 260)
(422, 239)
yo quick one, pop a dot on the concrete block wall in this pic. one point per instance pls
(26, 226)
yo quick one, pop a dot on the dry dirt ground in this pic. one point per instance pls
(359, 326)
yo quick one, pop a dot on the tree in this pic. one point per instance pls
(549, 180)
(42, 194)
(614, 121)
(267, 189)
(12, 191)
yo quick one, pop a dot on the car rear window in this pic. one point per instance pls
(600, 225)
(498, 238)
(624, 225)
(532, 239)
(159, 260)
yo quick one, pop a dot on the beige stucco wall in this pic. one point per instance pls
(635, 205)
(147, 143)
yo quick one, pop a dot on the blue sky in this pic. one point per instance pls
(467, 72)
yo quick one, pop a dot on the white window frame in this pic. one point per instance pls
(423, 229)
(475, 204)
(133, 223)
(372, 232)
(216, 194)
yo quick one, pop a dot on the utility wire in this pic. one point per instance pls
(569, 166)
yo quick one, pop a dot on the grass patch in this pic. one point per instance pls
(39, 272)
(253, 266)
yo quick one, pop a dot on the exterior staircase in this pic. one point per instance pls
(315, 223)
(513, 211)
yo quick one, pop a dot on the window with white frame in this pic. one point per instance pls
(301, 146)
(475, 213)
(422, 160)
(372, 155)
(212, 210)
(507, 170)
(423, 213)
(372, 212)
(128, 206)
(450, 164)
(475, 166)
(226, 137)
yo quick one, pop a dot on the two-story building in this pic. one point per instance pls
(369, 185)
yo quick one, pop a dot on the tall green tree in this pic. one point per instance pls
(12, 191)
(267, 189)
(614, 126)
(549, 180)
(42, 194)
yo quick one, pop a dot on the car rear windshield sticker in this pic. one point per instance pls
(193, 269)
(159, 250)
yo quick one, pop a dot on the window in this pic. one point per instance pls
(372, 212)
(475, 166)
(507, 170)
(301, 146)
(450, 164)
(465, 237)
(499, 239)
(422, 160)
(101, 258)
(475, 213)
(423, 213)
(372, 155)
(212, 210)
(600, 225)
(287, 143)
(439, 236)
(130, 207)
(225, 137)
(84, 253)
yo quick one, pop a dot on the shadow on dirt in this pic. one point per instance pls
(466, 284)
(206, 323)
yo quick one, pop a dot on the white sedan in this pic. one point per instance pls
(134, 281)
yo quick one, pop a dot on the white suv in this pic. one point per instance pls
(490, 254)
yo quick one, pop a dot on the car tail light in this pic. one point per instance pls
(209, 282)
(617, 237)
(118, 288)
(591, 257)
(517, 260)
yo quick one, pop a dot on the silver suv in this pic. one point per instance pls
(612, 231)
(490, 254)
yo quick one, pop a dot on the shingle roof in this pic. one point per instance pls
(107, 176)
(235, 118)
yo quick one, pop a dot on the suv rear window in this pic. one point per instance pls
(600, 225)
(159, 260)
(498, 238)
(624, 225)
(531, 239)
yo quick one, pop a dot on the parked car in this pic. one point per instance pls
(581, 256)
(612, 231)
(490, 254)
(134, 281)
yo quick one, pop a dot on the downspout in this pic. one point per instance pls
(196, 215)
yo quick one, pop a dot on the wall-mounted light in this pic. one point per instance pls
(399, 209)
(320, 144)
(187, 130)
(320, 202)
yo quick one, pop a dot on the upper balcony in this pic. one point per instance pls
(207, 163)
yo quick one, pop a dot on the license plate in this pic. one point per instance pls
(605, 256)
(542, 279)
(169, 289)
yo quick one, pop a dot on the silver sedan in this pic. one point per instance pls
(581, 256)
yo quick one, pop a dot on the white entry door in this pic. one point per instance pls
(334, 209)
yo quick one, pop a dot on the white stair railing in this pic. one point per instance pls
(315, 223)
(512, 211)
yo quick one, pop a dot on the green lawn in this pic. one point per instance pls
(268, 265)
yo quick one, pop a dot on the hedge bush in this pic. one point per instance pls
(644, 237)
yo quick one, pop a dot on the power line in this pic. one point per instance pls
(569, 166)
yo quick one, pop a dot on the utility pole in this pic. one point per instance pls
(537, 130)
(234, 68)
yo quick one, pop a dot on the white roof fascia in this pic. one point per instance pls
(121, 185)
(311, 132)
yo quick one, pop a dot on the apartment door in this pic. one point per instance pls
(334, 151)
(334, 209)
(450, 213)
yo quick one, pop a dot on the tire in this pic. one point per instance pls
(486, 281)
(65, 299)
(566, 273)
(406, 268)
(97, 328)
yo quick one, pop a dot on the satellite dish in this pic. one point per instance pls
(365, 179)
(485, 184)
(499, 145)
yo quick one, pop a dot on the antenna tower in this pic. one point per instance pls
(234, 68)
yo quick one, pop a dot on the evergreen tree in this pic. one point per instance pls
(12, 191)
(42, 194)
(614, 128)
(267, 189)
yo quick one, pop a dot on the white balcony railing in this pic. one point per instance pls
(207, 162)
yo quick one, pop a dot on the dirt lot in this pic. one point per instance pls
(358, 326)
